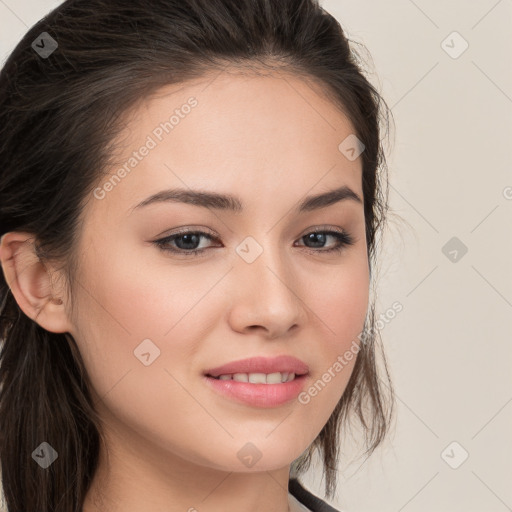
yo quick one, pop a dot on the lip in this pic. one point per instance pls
(258, 395)
(281, 364)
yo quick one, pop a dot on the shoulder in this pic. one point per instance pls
(311, 501)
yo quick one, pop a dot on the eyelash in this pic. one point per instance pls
(344, 240)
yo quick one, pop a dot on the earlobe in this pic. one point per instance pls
(30, 282)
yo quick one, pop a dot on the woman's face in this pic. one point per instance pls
(151, 322)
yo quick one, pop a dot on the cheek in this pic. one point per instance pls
(128, 301)
(135, 298)
(340, 299)
(339, 302)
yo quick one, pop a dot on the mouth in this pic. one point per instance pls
(260, 370)
(262, 390)
(259, 378)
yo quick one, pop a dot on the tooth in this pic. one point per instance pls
(257, 378)
(274, 378)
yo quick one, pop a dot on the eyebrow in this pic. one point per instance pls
(232, 203)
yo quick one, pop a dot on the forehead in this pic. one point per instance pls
(249, 107)
(249, 133)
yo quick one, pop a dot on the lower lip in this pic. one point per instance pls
(258, 395)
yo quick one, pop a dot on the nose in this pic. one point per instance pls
(266, 295)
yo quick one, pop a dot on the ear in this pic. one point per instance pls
(31, 283)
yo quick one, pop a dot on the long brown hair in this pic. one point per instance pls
(59, 112)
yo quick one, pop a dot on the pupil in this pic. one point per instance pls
(313, 236)
(195, 240)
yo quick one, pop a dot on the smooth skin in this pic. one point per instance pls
(270, 140)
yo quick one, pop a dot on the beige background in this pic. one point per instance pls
(450, 348)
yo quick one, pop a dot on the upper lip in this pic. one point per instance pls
(261, 365)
